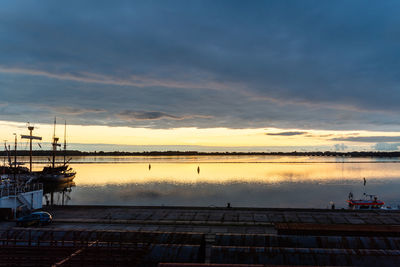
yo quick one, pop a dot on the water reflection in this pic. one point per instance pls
(57, 193)
(222, 173)
(261, 184)
(311, 195)
(211, 158)
(243, 183)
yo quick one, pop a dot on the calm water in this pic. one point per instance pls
(252, 181)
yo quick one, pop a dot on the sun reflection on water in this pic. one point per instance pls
(201, 181)
(220, 173)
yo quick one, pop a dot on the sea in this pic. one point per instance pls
(216, 181)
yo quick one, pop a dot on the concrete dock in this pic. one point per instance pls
(149, 236)
(202, 219)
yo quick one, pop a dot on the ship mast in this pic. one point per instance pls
(65, 140)
(55, 140)
(8, 153)
(15, 151)
(15, 157)
(54, 144)
(30, 137)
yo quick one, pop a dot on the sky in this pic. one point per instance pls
(203, 75)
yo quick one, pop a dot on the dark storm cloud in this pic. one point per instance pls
(75, 111)
(287, 133)
(146, 115)
(327, 65)
(130, 115)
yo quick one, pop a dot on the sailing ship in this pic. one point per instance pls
(57, 174)
(52, 173)
(14, 171)
(62, 173)
(19, 192)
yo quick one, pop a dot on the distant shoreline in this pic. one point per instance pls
(353, 154)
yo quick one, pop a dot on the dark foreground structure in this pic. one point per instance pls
(189, 236)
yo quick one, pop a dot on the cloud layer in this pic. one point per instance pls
(303, 65)
(287, 133)
(146, 115)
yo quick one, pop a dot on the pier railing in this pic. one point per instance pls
(13, 190)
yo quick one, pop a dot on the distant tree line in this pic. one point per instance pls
(375, 154)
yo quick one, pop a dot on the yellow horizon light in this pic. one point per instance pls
(221, 137)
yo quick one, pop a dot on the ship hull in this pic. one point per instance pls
(57, 177)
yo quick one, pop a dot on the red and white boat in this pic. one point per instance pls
(370, 202)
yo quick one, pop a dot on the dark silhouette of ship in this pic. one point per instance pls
(53, 173)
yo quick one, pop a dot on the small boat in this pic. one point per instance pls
(370, 202)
